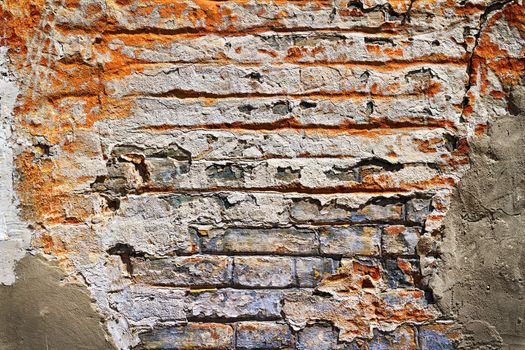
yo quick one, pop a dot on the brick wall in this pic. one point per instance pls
(254, 174)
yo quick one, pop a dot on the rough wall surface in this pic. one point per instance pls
(269, 174)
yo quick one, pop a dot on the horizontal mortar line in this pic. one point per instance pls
(296, 226)
(303, 157)
(272, 27)
(383, 31)
(329, 35)
(209, 253)
(183, 94)
(227, 285)
(186, 94)
(365, 162)
(277, 190)
(288, 125)
(214, 191)
(381, 66)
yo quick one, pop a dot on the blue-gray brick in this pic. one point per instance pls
(349, 241)
(262, 241)
(195, 271)
(263, 335)
(197, 336)
(258, 271)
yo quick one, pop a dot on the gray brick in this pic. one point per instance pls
(141, 304)
(312, 211)
(350, 240)
(195, 271)
(263, 335)
(401, 273)
(400, 240)
(256, 271)
(198, 336)
(438, 337)
(310, 271)
(418, 210)
(402, 338)
(318, 337)
(264, 241)
(235, 304)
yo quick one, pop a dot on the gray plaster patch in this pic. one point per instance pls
(39, 313)
(14, 235)
(482, 281)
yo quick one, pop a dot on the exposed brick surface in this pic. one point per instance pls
(254, 174)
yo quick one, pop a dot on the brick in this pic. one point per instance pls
(400, 240)
(438, 337)
(318, 337)
(255, 271)
(401, 272)
(261, 241)
(310, 271)
(418, 210)
(231, 304)
(402, 338)
(263, 335)
(198, 336)
(311, 211)
(349, 241)
(194, 271)
(145, 305)
(165, 171)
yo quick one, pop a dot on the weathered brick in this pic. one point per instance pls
(418, 210)
(400, 240)
(349, 241)
(402, 338)
(198, 336)
(253, 271)
(263, 335)
(235, 304)
(317, 337)
(263, 241)
(310, 271)
(145, 305)
(312, 211)
(194, 271)
(401, 272)
(438, 337)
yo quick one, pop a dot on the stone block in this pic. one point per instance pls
(417, 210)
(317, 337)
(198, 336)
(402, 338)
(263, 335)
(312, 211)
(400, 240)
(231, 304)
(401, 272)
(437, 337)
(254, 271)
(262, 241)
(194, 271)
(349, 241)
(310, 271)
